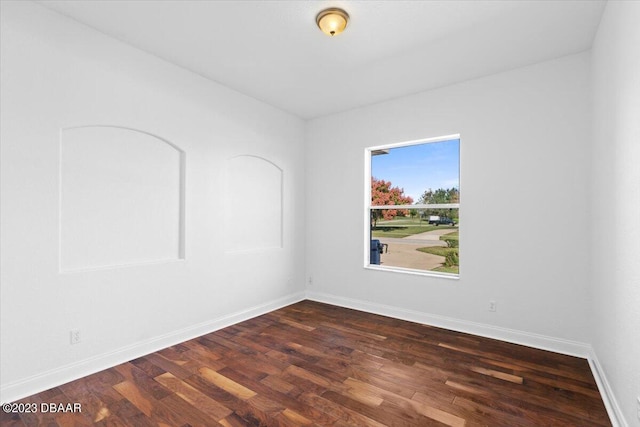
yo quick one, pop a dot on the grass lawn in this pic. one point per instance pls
(437, 250)
(403, 227)
(451, 236)
(443, 269)
(443, 251)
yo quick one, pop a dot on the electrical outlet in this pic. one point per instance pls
(639, 407)
(492, 305)
(75, 336)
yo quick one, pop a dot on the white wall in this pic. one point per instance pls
(57, 74)
(524, 205)
(615, 227)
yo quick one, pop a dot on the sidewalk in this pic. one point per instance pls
(432, 235)
(406, 255)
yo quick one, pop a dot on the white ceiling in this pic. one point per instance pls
(273, 51)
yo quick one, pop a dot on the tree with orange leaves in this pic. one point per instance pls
(384, 194)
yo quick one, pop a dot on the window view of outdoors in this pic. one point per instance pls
(415, 197)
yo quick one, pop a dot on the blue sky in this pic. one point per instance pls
(416, 168)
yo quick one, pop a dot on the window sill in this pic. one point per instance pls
(414, 272)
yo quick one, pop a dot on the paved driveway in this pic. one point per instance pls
(403, 252)
(405, 255)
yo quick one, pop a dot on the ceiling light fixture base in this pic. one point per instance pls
(332, 21)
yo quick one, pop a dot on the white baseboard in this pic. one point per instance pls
(543, 342)
(610, 402)
(55, 377)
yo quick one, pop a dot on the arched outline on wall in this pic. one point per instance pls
(259, 158)
(264, 159)
(181, 202)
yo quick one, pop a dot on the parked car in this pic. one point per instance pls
(440, 220)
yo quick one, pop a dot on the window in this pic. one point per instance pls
(412, 207)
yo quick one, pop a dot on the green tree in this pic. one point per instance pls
(440, 196)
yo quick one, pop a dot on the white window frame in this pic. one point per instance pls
(368, 207)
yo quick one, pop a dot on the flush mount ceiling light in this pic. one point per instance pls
(332, 21)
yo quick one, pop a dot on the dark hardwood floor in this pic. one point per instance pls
(316, 364)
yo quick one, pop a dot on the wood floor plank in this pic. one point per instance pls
(579, 375)
(296, 418)
(139, 398)
(352, 331)
(207, 405)
(316, 364)
(167, 365)
(295, 324)
(357, 387)
(192, 416)
(278, 384)
(226, 384)
(142, 380)
(156, 412)
(497, 374)
(241, 409)
(339, 412)
(287, 400)
(384, 417)
(309, 376)
(364, 393)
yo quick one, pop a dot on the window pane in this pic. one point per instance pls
(422, 173)
(414, 241)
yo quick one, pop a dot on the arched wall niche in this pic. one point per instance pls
(253, 204)
(121, 198)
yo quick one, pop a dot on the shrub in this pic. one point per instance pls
(452, 259)
(451, 242)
